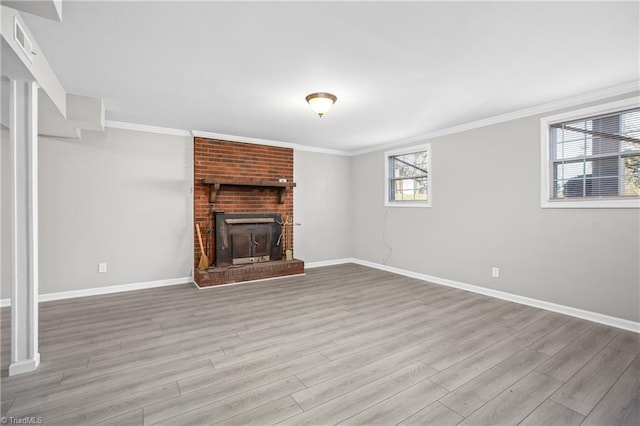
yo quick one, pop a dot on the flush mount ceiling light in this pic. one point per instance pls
(321, 102)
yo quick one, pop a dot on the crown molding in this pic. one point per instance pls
(258, 141)
(323, 150)
(220, 136)
(145, 128)
(573, 101)
(242, 139)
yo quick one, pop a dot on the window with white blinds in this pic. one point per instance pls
(595, 157)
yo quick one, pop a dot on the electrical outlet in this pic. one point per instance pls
(102, 267)
(495, 272)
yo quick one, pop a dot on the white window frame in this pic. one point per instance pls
(402, 151)
(545, 166)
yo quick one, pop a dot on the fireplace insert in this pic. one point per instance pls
(247, 238)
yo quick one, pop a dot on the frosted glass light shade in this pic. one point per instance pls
(321, 102)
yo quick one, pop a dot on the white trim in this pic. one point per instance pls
(545, 169)
(23, 116)
(14, 191)
(554, 307)
(145, 128)
(331, 262)
(408, 203)
(72, 294)
(258, 141)
(622, 89)
(242, 139)
(591, 204)
(407, 150)
(26, 366)
(245, 282)
(630, 87)
(221, 136)
(536, 303)
(630, 102)
(112, 289)
(319, 150)
(34, 211)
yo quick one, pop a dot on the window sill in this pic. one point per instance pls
(407, 204)
(591, 204)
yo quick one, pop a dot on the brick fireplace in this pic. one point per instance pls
(242, 195)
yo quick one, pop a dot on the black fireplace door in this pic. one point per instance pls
(250, 244)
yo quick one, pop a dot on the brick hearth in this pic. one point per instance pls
(255, 271)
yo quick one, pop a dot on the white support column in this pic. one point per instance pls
(23, 122)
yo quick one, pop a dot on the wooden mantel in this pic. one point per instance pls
(215, 184)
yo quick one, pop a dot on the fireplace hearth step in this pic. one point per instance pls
(249, 272)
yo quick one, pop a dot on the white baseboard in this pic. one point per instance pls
(105, 290)
(554, 307)
(332, 262)
(25, 366)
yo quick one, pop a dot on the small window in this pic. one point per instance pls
(408, 177)
(592, 157)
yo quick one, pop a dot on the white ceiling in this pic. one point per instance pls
(398, 69)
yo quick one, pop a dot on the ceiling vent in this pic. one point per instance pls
(23, 40)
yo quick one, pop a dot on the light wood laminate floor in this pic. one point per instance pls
(343, 344)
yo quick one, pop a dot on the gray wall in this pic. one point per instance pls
(322, 204)
(124, 197)
(121, 197)
(486, 212)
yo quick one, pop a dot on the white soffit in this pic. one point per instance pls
(83, 112)
(50, 9)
